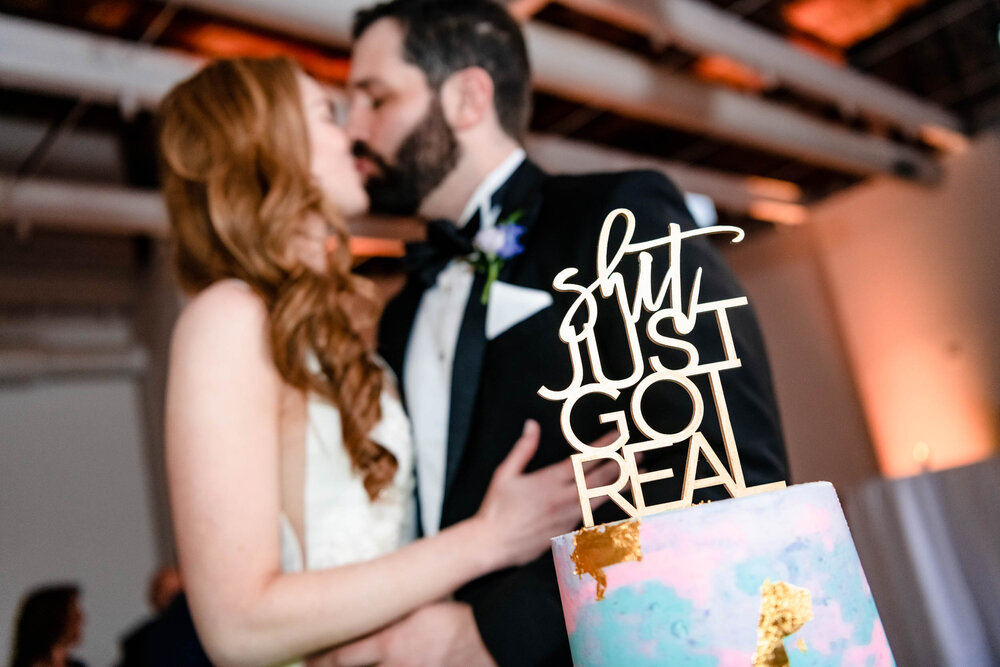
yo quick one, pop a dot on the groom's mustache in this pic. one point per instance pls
(362, 150)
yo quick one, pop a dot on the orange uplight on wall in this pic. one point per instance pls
(927, 413)
(843, 23)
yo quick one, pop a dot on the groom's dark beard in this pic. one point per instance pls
(426, 156)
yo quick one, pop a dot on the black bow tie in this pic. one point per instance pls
(445, 241)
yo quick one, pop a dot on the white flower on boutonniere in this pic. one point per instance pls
(493, 246)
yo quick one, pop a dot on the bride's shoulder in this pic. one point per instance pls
(225, 311)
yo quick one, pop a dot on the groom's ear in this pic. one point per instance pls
(467, 98)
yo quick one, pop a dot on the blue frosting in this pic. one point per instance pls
(638, 625)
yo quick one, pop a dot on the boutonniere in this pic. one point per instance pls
(495, 245)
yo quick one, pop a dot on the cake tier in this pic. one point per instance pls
(722, 584)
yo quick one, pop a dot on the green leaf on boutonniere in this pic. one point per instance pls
(494, 245)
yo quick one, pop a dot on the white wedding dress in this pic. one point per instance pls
(341, 524)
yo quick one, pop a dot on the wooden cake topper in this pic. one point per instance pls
(665, 305)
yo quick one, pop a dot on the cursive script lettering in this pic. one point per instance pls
(664, 301)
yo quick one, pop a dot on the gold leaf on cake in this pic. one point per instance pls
(784, 609)
(602, 546)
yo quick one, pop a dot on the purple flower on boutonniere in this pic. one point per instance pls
(493, 246)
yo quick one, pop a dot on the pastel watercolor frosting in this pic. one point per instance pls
(692, 590)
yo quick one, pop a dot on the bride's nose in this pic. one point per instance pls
(340, 108)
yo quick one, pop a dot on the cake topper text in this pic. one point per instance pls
(578, 331)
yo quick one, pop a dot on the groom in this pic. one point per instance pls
(440, 103)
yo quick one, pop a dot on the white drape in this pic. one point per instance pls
(930, 546)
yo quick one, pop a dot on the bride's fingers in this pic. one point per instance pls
(567, 493)
(521, 453)
(587, 466)
(605, 440)
(604, 474)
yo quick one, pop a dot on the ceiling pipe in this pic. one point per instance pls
(594, 73)
(18, 365)
(317, 20)
(591, 72)
(761, 198)
(40, 57)
(704, 28)
(45, 58)
(75, 63)
(119, 210)
(87, 206)
(34, 347)
(48, 331)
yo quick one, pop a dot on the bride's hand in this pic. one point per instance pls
(523, 511)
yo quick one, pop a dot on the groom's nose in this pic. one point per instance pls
(357, 122)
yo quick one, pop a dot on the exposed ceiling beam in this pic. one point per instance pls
(89, 206)
(592, 72)
(318, 20)
(704, 28)
(87, 152)
(46, 58)
(78, 64)
(761, 198)
(41, 57)
(25, 364)
(120, 210)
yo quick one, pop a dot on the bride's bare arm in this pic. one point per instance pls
(223, 467)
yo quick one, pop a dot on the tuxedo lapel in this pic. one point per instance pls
(522, 191)
(465, 377)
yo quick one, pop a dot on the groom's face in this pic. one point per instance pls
(403, 144)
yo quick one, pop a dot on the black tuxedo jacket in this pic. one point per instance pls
(495, 383)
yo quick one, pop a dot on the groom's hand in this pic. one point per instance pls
(443, 634)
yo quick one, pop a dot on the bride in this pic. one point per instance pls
(288, 452)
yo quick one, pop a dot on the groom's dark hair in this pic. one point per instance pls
(442, 37)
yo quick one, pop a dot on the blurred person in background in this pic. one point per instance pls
(49, 624)
(164, 586)
(169, 637)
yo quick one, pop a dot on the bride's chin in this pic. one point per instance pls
(357, 207)
(349, 204)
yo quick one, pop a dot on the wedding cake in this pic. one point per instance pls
(769, 577)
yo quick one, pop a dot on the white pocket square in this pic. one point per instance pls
(511, 304)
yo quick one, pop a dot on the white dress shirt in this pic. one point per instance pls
(430, 353)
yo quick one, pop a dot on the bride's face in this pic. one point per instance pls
(331, 162)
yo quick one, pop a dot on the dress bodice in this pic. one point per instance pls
(341, 524)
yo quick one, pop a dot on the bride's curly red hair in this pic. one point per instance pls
(235, 172)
